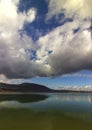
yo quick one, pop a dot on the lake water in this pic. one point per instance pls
(46, 111)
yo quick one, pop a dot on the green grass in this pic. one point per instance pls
(21, 119)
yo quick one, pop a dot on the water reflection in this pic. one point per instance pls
(63, 102)
(75, 105)
(22, 98)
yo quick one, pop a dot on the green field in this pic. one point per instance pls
(22, 119)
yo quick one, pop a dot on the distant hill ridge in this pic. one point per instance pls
(31, 87)
(24, 87)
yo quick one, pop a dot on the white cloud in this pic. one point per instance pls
(3, 79)
(31, 15)
(11, 20)
(81, 8)
(14, 63)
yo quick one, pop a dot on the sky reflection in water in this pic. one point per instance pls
(72, 105)
(63, 102)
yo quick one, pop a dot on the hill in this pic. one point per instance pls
(31, 87)
(24, 87)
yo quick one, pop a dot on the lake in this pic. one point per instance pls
(45, 111)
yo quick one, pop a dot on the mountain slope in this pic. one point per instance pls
(25, 87)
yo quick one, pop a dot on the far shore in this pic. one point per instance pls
(24, 93)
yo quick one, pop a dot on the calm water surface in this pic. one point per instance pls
(46, 111)
(44, 102)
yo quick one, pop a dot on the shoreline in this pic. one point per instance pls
(24, 93)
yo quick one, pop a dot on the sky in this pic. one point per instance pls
(46, 42)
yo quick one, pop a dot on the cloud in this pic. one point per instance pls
(70, 51)
(78, 74)
(81, 8)
(3, 79)
(14, 61)
(76, 88)
(63, 50)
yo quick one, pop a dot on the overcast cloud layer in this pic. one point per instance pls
(63, 50)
